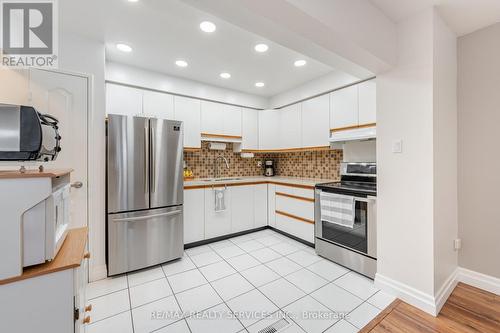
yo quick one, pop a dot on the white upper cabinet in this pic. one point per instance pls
(290, 127)
(269, 123)
(158, 105)
(367, 102)
(212, 118)
(250, 129)
(123, 100)
(220, 119)
(187, 110)
(316, 121)
(344, 107)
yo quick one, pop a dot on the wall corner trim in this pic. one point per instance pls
(479, 280)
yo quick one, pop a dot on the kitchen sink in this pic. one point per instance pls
(222, 179)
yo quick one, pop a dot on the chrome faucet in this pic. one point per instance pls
(216, 165)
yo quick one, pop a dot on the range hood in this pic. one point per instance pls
(357, 134)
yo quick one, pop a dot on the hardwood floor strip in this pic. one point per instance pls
(380, 316)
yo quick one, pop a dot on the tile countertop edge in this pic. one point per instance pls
(297, 181)
(70, 256)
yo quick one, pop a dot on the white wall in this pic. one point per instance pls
(14, 86)
(417, 221)
(86, 56)
(445, 152)
(479, 160)
(405, 181)
(314, 87)
(134, 76)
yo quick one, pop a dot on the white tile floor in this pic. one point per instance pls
(243, 284)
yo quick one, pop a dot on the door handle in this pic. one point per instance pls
(77, 185)
(142, 218)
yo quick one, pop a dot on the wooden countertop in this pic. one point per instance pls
(12, 174)
(70, 256)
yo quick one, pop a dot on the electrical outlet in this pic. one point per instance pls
(259, 164)
(457, 244)
(397, 146)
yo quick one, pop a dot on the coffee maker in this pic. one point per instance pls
(269, 168)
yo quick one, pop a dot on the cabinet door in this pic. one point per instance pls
(250, 129)
(269, 121)
(367, 102)
(217, 223)
(232, 120)
(123, 100)
(187, 110)
(344, 107)
(316, 122)
(212, 118)
(242, 208)
(194, 215)
(271, 205)
(260, 205)
(290, 127)
(158, 105)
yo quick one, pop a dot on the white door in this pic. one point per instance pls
(344, 107)
(123, 100)
(367, 102)
(65, 97)
(242, 208)
(187, 110)
(316, 122)
(158, 105)
(269, 123)
(217, 223)
(194, 215)
(260, 205)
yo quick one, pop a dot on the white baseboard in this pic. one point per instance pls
(479, 280)
(97, 273)
(431, 304)
(408, 294)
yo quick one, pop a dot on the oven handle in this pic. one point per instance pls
(368, 199)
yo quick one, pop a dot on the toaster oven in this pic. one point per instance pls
(27, 135)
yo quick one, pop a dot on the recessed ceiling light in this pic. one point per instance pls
(259, 84)
(300, 63)
(225, 75)
(124, 47)
(181, 63)
(261, 48)
(208, 26)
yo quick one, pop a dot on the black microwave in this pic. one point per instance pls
(27, 135)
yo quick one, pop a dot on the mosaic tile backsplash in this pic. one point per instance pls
(323, 164)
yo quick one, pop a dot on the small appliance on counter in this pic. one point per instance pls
(269, 168)
(345, 218)
(27, 135)
(144, 192)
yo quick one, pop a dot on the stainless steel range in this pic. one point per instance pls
(345, 218)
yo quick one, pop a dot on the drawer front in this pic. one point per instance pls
(296, 191)
(295, 227)
(296, 207)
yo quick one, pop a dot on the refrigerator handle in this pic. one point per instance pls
(146, 159)
(153, 159)
(147, 217)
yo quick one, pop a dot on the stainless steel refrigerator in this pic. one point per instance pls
(144, 192)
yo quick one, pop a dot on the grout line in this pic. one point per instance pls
(130, 305)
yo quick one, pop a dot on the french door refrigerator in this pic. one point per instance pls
(144, 192)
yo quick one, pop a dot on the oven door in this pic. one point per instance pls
(361, 238)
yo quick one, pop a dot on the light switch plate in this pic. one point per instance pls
(397, 146)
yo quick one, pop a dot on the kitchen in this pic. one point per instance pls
(236, 172)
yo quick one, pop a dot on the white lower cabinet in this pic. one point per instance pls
(217, 223)
(194, 215)
(296, 228)
(271, 205)
(242, 208)
(260, 205)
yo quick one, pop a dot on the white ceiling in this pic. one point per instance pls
(462, 16)
(162, 31)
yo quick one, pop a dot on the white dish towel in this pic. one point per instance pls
(338, 209)
(220, 199)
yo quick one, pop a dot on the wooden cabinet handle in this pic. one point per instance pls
(86, 320)
(88, 308)
(86, 255)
